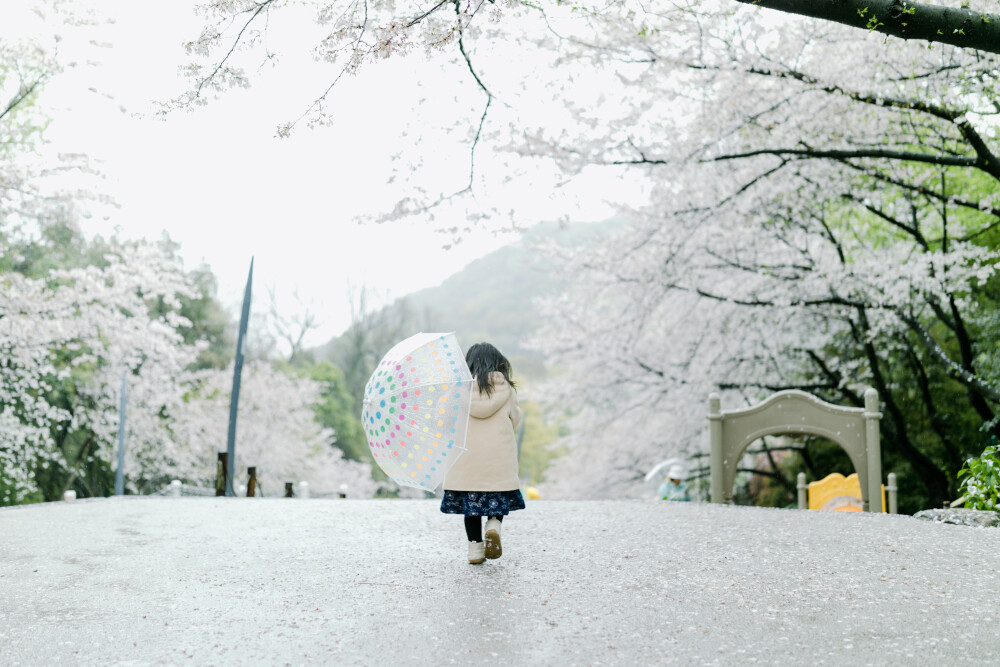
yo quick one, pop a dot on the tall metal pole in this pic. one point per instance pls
(120, 474)
(235, 397)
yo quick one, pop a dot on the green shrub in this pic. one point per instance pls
(981, 486)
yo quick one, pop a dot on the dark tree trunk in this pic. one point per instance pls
(957, 26)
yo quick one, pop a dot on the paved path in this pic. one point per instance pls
(381, 582)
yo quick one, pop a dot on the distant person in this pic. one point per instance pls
(673, 487)
(484, 482)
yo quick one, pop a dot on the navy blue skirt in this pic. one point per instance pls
(482, 503)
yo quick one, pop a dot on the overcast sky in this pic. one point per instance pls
(220, 183)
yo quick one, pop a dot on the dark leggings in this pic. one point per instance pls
(474, 527)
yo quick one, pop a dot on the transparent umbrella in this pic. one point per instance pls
(655, 476)
(416, 409)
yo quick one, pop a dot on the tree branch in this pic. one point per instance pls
(913, 230)
(256, 10)
(835, 378)
(489, 95)
(22, 94)
(937, 423)
(986, 160)
(777, 387)
(461, 47)
(774, 466)
(932, 475)
(829, 301)
(956, 26)
(925, 191)
(773, 475)
(421, 17)
(954, 370)
(808, 153)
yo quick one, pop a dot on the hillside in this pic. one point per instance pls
(493, 297)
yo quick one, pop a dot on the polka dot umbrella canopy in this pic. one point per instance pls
(416, 409)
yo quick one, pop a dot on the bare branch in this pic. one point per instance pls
(239, 37)
(22, 94)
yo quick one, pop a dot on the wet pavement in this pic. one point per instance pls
(137, 581)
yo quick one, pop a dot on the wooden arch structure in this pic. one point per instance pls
(796, 413)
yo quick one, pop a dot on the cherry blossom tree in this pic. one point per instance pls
(827, 222)
(277, 433)
(67, 338)
(821, 202)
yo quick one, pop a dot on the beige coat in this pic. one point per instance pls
(490, 460)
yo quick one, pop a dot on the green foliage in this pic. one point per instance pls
(981, 486)
(987, 347)
(336, 410)
(209, 321)
(54, 245)
(537, 444)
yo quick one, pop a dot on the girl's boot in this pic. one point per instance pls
(493, 549)
(476, 551)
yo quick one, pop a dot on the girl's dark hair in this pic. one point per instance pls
(484, 359)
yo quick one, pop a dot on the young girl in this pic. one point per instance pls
(484, 481)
